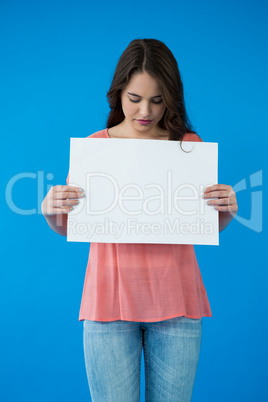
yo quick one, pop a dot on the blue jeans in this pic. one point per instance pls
(113, 359)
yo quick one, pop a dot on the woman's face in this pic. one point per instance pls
(142, 100)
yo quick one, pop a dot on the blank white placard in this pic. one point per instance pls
(143, 191)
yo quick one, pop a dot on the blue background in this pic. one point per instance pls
(57, 63)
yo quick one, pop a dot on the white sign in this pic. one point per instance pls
(143, 191)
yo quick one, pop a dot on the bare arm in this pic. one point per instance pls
(224, 219)
(58, 223)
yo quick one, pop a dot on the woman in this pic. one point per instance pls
(142, 295)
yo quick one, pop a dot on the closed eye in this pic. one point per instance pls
(136, 101)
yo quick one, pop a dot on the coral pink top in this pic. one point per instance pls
(142, 282)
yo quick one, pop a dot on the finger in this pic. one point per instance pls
(221, 201)
(67, 188)
(65, 209)
(65, 203)
(66, 191)
(217, 187)
(229, 208)
(64, 195)
(215, 194)
(59, 210)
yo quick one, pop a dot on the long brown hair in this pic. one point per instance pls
(154, 57)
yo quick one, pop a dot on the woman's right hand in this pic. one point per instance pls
(61, 200)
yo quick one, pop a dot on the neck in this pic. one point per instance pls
(146, 133)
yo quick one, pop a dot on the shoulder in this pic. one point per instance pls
(192, 137)
(99, 134)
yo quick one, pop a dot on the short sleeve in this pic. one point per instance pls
(192, 137)
(198, 138)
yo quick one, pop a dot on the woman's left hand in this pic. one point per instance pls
(226, 201)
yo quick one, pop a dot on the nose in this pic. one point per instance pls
(145, 109)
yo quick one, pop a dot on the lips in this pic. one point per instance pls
(144, 122)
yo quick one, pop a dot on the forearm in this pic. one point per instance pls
(58, 223)
(224, 219)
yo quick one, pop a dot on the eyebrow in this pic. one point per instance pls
(157, 96)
